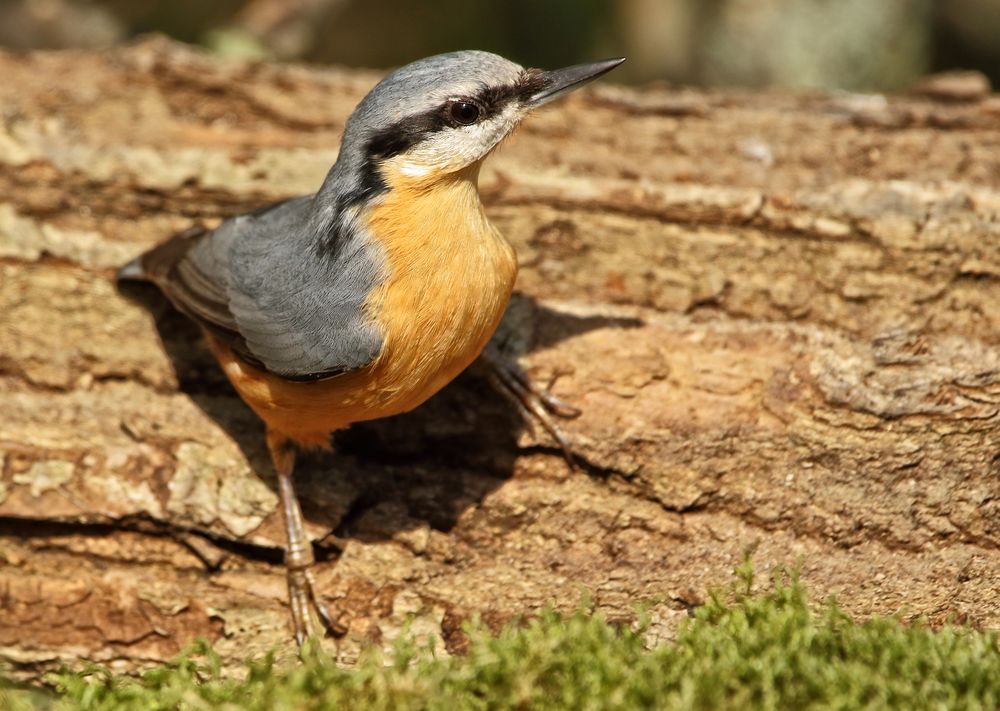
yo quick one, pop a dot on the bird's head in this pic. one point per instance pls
(443, 114)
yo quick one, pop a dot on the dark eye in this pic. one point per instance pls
(464, 113)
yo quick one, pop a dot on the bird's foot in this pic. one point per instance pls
(533, 402)
(308, 614)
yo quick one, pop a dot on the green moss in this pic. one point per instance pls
(768, 652)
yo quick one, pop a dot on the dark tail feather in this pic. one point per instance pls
(133, 271)
(156, 263)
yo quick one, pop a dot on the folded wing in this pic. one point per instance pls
(259, 284)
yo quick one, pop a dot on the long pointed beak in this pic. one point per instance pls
(557, 82)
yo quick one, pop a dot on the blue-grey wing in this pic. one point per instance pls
(261, 285)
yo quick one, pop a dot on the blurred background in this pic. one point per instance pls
(862, 45)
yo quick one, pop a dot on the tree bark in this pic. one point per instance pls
(779, 314)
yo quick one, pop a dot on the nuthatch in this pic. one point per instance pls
(365, 299)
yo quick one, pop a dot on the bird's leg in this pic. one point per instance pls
(298, 551)
(533, 402)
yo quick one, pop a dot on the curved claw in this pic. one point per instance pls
(553, 404)
(307, 610)
(534, 403)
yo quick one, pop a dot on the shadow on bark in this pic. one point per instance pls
(385, 476)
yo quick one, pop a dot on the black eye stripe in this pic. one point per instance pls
(494, 98)
(404, 134)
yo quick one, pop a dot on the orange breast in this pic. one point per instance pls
(450, 277)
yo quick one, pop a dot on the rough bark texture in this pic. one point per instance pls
(779, 314)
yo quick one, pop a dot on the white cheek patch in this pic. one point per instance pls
(454, 148)
(414, 170)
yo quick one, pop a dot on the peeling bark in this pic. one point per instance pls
(779, 315)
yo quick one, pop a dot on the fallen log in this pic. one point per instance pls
(779, 314)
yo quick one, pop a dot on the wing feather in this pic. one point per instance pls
(295, 313)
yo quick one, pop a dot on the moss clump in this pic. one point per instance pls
(768, 652)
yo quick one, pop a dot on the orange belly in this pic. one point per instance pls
(449, 279)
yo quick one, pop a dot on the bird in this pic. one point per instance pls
(362, 300)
